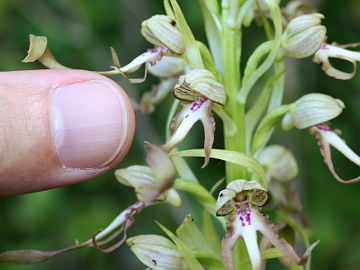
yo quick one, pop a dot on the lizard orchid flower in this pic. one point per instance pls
(312, 112)
(241, 201)
(328, 51)
(200, 87)
(327, 138)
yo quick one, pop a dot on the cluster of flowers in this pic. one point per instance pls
(175, 60)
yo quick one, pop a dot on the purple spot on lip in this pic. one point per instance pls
(324, 47)
(244, 213)
(186, 116)
(248, 219)
(323, 127)
(242, 222)
(198, 104)
(154, 50)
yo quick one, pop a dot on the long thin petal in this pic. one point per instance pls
(146, 57)
(327, 51)
(185, 120)
(328, 138)
(266, 228)
(209, 130)
(227, 245)
(250, 238)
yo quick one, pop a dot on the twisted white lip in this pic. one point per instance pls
(338, 52)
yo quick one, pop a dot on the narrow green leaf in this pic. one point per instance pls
(190, 234)
(295, 266)
(217, 185)
(197, 190)
(254, 114)
(208, 228)
(278, 91)
(168, 9)
(229, 156)
(207, 59)
(270, 253)
(256, 57)
(190, 261)
(210, 9)
(208, 259)
(277, 20)
(192, 52)
(183, 169)
(265, 127)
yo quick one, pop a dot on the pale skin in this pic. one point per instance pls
(28, 158)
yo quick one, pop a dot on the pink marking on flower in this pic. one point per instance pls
(242, 221)
(244, 213)
(324, 47)
(198, 104)
(323, 127)
(248, 220)
(154, 50)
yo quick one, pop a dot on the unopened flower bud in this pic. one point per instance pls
(156, 252)
(162, 31)
(279, 162)
(151, 183)
(168, 66)
(304, 35)
(311, 110)
(197, 83)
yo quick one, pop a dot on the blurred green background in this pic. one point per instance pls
(80, 33)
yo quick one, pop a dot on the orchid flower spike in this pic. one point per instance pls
(328, 138)
(152, 183)
(327, 51)
(201, 88)
(241, 201)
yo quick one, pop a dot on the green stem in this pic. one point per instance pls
(231, 50)
(231, 37)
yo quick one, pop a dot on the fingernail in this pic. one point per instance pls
(90, 123)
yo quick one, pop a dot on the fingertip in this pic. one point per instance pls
(88, 127)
